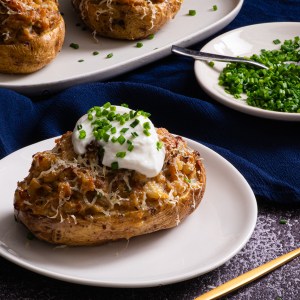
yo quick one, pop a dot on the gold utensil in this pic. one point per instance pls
(249, 276)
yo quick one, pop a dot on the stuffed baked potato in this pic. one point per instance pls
(31, 34)
(74, 199)
(126, 19)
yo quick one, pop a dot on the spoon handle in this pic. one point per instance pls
(198, 55)
(249, 276)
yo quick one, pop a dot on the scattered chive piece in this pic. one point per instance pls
(107, 105)
(121, 154)
(192, 12)
(113, 130)
(90, 117)
(81, 60)
(110, 55)
(146, 125)
(146, 132)
(215, 7)
(121, 140)
(139, 45)
(130, 147)
(123, 130)
(282, 221)
(124, 105)
(74, 46)
(277, 41)
(159, 145)
(151, 36)
(95, 53)
(134, 123)
(114, 165)
(79, 127)
(211, 63)
(187, 180)
(106, 137)
(113, 139)
(134, 134)
(82, 134)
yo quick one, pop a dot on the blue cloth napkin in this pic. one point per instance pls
(266, 152)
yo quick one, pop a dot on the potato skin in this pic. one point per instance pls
(148, 206)
(32, 34)
(33, 55)
(126, 19)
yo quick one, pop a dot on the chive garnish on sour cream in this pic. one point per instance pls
(128, 138)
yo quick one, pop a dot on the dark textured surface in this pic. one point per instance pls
(269, 240)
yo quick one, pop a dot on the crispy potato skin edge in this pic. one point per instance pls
(107, 229)
(34, 55)
(126, 20)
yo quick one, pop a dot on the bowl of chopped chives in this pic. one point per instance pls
(273, 93)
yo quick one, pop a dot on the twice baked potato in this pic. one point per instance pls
(126, 19)
(73, 199)
(31, 34)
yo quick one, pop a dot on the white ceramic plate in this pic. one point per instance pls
(66, 71)
(215, 232)
(244, 41)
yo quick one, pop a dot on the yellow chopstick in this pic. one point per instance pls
(249, 276)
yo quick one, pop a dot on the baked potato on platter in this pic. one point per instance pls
(31, 34)
(126, 19)
(74, 199)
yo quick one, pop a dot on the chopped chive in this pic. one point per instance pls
(187, 180)
(114, 165)
(95, 53)
(114, 139)
(135, 123)
(79, 127)
(151, 36)
(139, 44)
(215, 7)
(134, 134)
(106, 137)
(110, 55)
(211, 63)
(192, 12)
(159, 145)
(113, 130)
(121, 154)
(130, 147)
(146, 132)
(124, 105)
(274, 89)
(82, 134)
(81, 60)
(121, 140)
(90, 117)
(282, 221)
(277, 41)
(74, 46)
(146, 125)
(107, 105)
(123, 130)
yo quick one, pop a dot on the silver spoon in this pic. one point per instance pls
(198, 55)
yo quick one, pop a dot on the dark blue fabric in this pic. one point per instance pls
(266, 152)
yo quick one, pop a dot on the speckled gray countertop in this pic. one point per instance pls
(269, 240)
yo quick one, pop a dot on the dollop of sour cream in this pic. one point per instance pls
(128, 138)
